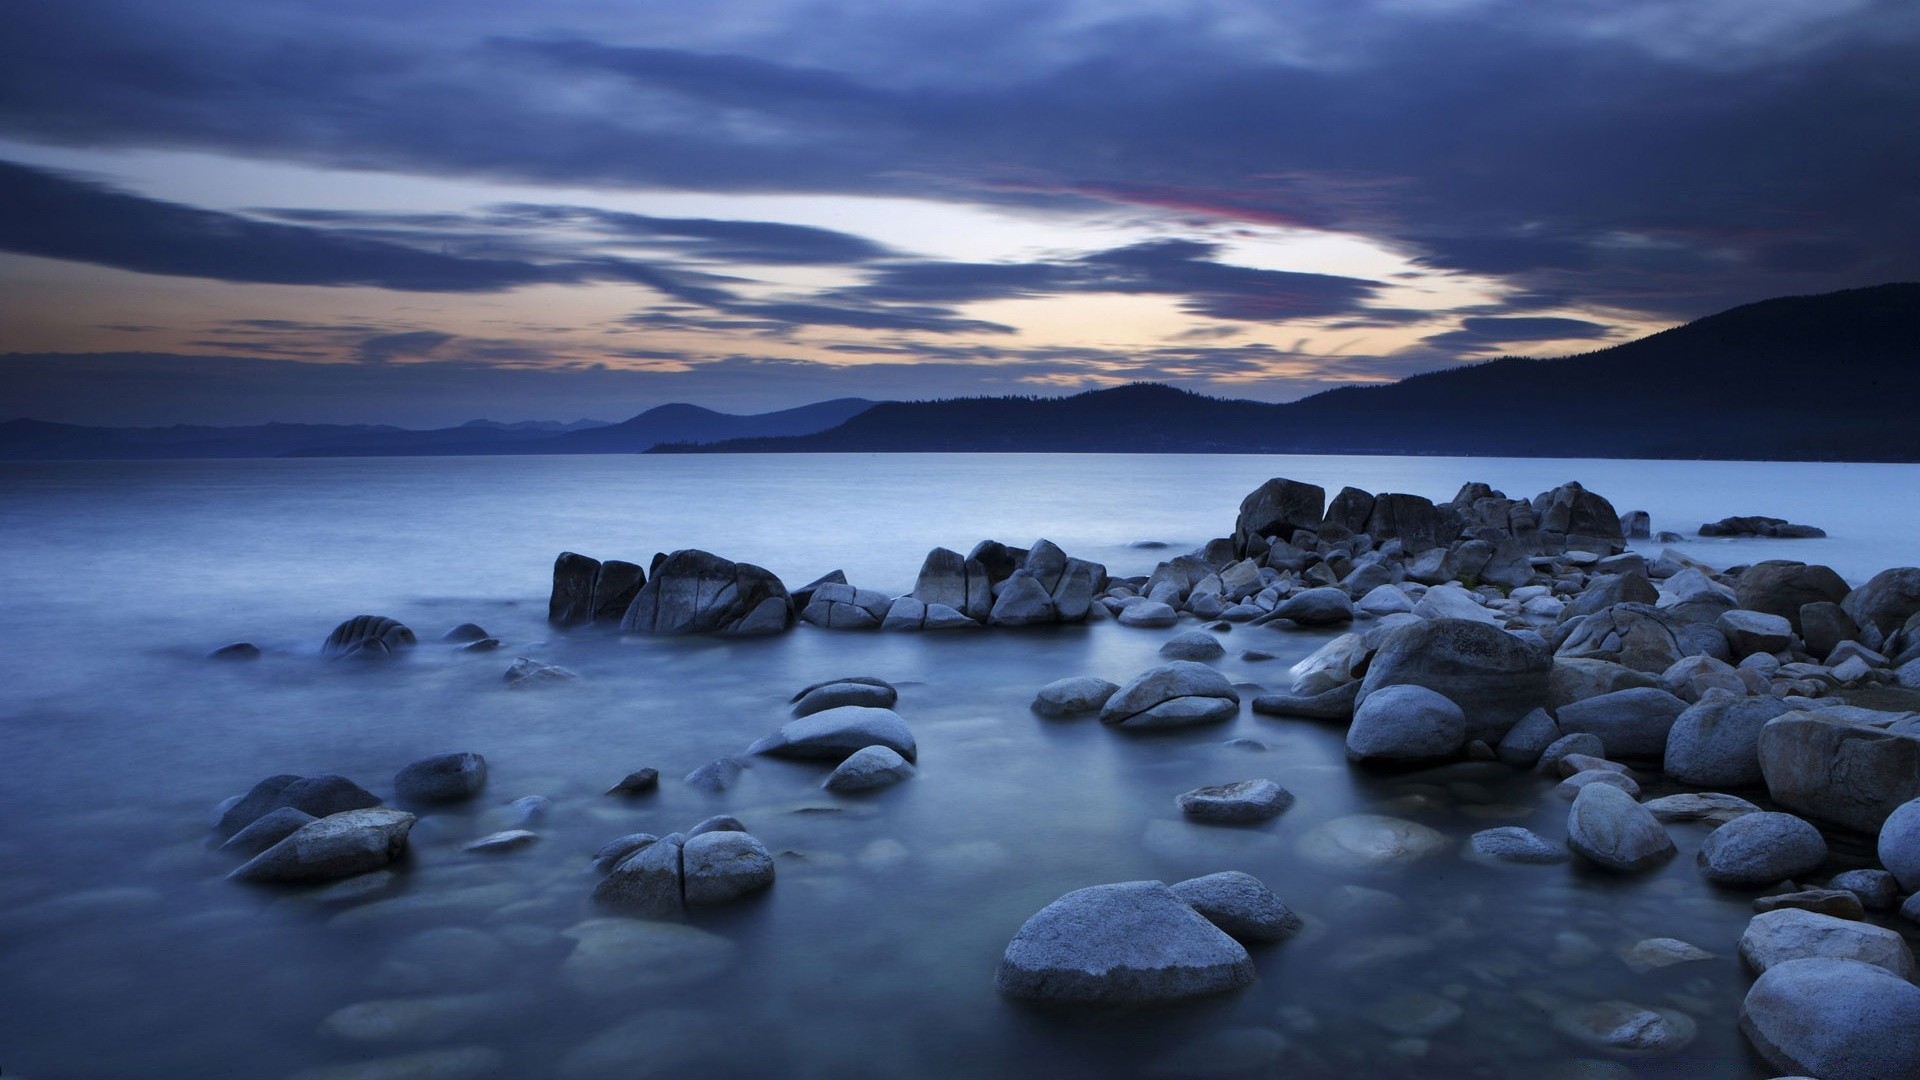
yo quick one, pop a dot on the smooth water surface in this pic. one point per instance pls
(126, 954)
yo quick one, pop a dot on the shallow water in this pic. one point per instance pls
(126, 954)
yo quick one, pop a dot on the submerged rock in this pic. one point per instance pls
(525, 673)
(1128, 942)
(1623, 1027)
(638, 782)
(452, 1063)
(1511, 843)
(1369, 842)
(613, 957)
(715, 776)
(239, 650)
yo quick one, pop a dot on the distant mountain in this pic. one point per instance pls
(1831, 377)
(681, 423)
(40, 440)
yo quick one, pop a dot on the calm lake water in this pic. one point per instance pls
(124, 952)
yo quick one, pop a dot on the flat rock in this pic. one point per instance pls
(1241, 802)
(1128, 942)
(1792, 934)
(1711, 806)
(1839, 903)
(1179, 694)
(1656, 953)
(613, 957)
(1511, 843)
(1623, 1027)
(1369, 842)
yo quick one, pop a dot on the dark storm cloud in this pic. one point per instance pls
(1616, 151)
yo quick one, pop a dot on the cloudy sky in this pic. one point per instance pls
(432, 210)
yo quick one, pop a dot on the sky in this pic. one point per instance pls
(421, 213)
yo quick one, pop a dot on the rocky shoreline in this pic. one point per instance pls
(1485, 629)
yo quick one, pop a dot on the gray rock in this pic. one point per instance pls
(717, 867)
(1239, 904)
(1179, 694)
(442, 778)
(1761, 849)
(1826, 625)
(867, 768)
(697, 592)
(1654, 954)
(715, 776)
(638, 782)
(368, 637)
(717, 823)
(1835, 1019)
(1148, 614)
(1241, 802)
(1128, 942)
(647, 882)
(872, 693)
(1632, 723)
(836, 733)
(1326, 606)
(239, 650)
(1566, 746)
(319, 796)
(1886, 601)
(571, 602)
(337, 846)
(905, 613)
(1075, 696)
(613, 957)
(1847, 766)
(1493, 676)
(1023, 601)
(1639, 636)
(1610, 830)
(1839, 903)
(1406, 723)
(615, 851)
(1571, 787)
(267, 830)
(1750, 632)
(1899, 844)
(1195, 645)
(1705, 806)
(956, 582)
(1523, 744)
(1782, 587)
(1276, 510)
(1511, 843)
(1716, 743)
(1791, 934)
(1878, 890)
(1577, 679)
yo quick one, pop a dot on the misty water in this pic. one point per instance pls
(125, 953)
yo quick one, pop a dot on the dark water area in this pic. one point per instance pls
(126, 953)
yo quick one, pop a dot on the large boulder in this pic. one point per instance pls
(336, 846)
(835, 606)
(834, 734)
(1847, 766)
(1631, 723)
(1493, 676)
(1587, 521)
(317, 796)
(1775, 937)
(950, 578)
(1610, 830)
(1276, 510)
(1023, 601)
(1782, 587)
(1325, 606)
(1716, 743)
(368, 637)
(1124, 943)
(1579, 678)
(1750, 632)
(1761, 849)
(1834, 1019)
(571, 602)
(697, 592)
(1404, 724)
(1887, 600)
(1348, 511)
(1179, 694)
(1413, 520)
(1899, 844)
(1606, 590)
(646, 881)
